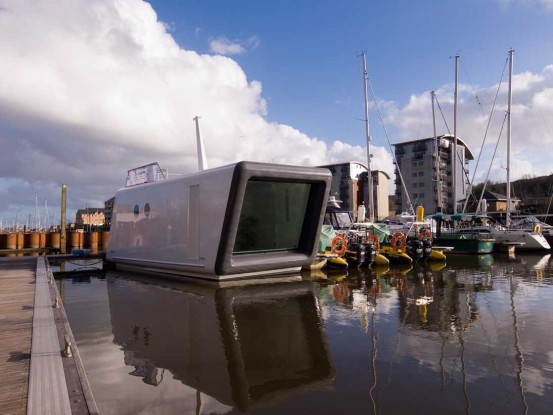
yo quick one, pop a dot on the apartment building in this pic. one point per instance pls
(424, 174)
(350, 185)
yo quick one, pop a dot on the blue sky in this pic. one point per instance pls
(308, 50)
(90, 89)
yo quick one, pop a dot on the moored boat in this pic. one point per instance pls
(462, 233)
(350, 240)
(533, 224)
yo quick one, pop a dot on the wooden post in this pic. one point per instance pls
(63, 238)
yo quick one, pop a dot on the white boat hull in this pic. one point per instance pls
(528, 240)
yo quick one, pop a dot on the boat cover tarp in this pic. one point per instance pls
(382, 231)
(327, 235)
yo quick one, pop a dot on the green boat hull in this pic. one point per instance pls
(464, 244)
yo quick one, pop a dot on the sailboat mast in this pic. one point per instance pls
(437, 159)
(454, 165)
(367, 132)
(510, 97)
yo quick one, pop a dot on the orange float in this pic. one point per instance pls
(399, 240)
(372, 238)
(339, 245)
(425, 235)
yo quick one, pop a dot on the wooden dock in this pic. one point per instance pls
(17, 293)
(36, 375)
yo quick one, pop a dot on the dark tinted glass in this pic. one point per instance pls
(272, 216)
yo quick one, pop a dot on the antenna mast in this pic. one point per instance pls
(202, 163)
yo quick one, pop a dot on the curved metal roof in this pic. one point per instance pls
(450, 137)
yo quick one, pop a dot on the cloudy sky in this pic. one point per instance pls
(92, 88)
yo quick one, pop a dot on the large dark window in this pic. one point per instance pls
(272, 216)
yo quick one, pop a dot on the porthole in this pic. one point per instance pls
(136, 210)
(147, 209)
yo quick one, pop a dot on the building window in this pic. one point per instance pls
(414, 174)
(421, 184)
(414, 184)
(420, 147)
(421, 173)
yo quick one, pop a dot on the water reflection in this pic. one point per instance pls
(468, 337)
(247, 346)
(471, 327)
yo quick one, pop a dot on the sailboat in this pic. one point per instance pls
(457, 231)
(479, 233)
(508, 235)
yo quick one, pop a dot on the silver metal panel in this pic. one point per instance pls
(161, 234)
(193, 225)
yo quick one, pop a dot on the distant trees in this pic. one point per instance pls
(535, 192)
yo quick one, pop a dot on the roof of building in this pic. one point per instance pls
(344, 163)
(450, 137)
(354, 162)
(377, 171)
(90, 211)
(491, 197)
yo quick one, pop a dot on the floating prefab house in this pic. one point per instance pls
(241, 220)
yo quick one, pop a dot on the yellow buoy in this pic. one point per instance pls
(420, 213)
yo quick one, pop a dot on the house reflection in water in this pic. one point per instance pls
(247, 346)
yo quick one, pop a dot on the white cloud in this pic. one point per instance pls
(532, 130)
(223, 46)
(547, 4)
(91, 89)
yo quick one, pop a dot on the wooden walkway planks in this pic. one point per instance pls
(17, 291)
(34, 378)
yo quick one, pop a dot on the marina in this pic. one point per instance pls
(464, 336)
(384, 250)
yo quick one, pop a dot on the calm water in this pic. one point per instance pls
(474, 337)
